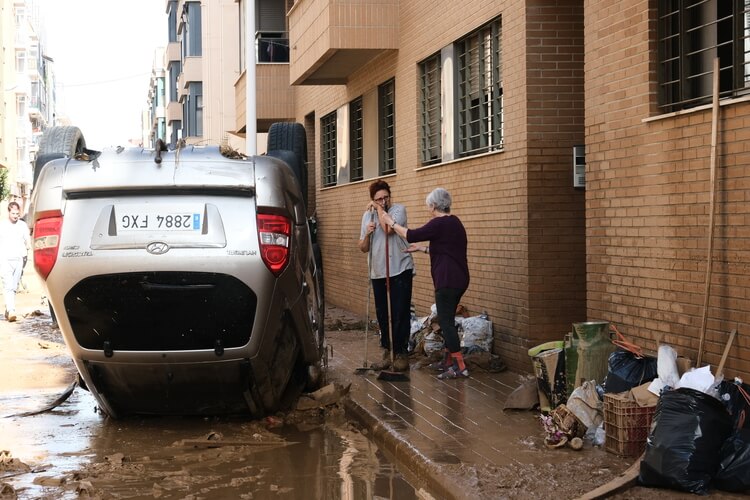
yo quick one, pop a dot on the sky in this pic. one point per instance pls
(103, 54)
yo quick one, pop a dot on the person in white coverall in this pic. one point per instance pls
(14, 246)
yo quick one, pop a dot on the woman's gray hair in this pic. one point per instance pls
(440, 200)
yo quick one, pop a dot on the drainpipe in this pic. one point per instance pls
(251, 124)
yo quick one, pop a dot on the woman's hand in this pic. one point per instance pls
(413, 247)
(385, 219)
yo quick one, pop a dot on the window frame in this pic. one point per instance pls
(328, 149)
(356, 140)
(431, 122)
(479, 98)
(687, 47)
(192, 44)
(387, 127)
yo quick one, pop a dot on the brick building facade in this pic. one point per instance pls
(649, 118)
(489, 99)
(513, 190)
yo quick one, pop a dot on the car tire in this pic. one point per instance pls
(58, 142)
(322, 293)
(290, 136)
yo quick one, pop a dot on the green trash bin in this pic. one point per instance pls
(593, 347)
(571, 362)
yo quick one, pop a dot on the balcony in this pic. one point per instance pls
(192, 71)
(174, 112)
(274, 97)
(173, 52)
(331, 39)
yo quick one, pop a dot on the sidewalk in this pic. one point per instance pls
(454, 437)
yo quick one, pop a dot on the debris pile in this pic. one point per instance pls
(475, 333)
(687, 425)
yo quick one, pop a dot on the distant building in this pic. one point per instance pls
(154, 116)
(27, 83)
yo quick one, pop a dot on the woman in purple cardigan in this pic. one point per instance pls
(449, 266)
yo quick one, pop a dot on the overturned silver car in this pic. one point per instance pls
(184, 281)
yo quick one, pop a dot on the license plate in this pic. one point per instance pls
(158, 218)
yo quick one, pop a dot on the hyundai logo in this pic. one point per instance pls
(157, 248)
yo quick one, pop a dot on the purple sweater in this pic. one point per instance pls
(448, 263)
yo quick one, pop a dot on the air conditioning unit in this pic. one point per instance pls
(579, 166)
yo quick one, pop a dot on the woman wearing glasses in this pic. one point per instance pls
(401, 273)
(449, 267)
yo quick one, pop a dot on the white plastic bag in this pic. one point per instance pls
(699, 379)
(477, 331)
(666, 366)
(585, 404)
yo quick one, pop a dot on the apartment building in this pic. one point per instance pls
(28, 96)
(154, 124)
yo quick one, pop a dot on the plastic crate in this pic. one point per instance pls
(626, 425)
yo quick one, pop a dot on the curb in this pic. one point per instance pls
(405, 455)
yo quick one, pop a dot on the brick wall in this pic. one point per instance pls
(647, 199)
(523, 217)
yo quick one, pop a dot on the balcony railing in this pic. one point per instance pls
(271, 47)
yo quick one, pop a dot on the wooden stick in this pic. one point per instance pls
(623, 481)
(720, 369)
(712, 208)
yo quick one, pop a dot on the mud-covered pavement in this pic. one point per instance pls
(74, 451)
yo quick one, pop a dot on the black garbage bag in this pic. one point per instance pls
(734, 465)
(682, 451)
(735, 397)
(627, 371)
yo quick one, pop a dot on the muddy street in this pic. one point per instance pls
(73, 450)
(426, 438)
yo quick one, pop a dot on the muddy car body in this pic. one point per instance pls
(184, 282)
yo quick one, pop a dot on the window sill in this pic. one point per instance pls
(697, 109)
(458, 160)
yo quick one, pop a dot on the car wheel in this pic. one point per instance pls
(58, 142)
(290, 136)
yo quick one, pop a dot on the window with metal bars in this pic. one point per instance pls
(356, 140)
(328, 148)
(692, 33)
(430, 126)
(387, 118)
(480, 91)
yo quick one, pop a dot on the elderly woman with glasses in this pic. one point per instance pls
(449, 267)
(401, 272)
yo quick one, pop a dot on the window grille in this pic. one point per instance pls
(356, 139)
(387, 115)
(430, 126)
(692, 33)
(328, 148)
(480, 91)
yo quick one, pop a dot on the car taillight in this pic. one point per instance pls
(273, 233)
(46, 243)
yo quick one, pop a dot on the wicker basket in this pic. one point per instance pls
(626, 425)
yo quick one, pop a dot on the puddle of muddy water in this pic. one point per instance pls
(74, 451)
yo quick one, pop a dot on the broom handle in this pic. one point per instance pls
(369, 285)
(388, 295)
